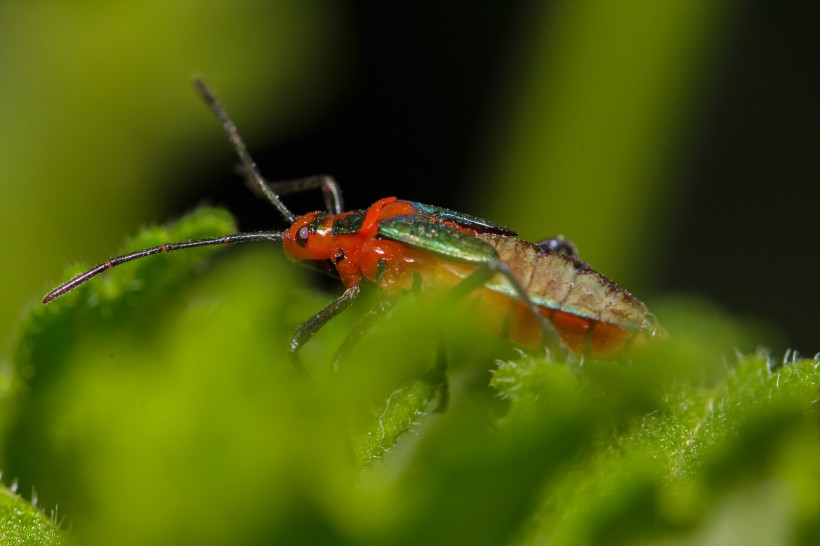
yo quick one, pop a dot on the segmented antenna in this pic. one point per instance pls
(241, 150)
(82, 278)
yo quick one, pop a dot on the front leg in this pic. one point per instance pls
(331, 191)
(315, 323)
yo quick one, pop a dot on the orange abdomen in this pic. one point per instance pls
(591, 314)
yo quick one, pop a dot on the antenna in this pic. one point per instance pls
(82, 278)
(250, 169)
(241, 150)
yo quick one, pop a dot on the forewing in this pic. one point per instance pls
(419, 232)
(462, 219)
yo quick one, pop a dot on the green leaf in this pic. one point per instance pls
(23, 524)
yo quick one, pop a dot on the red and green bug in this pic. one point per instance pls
(535, 294)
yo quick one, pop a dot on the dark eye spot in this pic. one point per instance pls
(302, 236)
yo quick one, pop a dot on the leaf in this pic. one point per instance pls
(23, 524)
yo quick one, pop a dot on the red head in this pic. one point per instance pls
(348, 240)
(310, 238)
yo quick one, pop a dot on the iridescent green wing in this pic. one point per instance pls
(462, 219)
(420, 232)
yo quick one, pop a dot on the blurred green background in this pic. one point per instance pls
(675, 144)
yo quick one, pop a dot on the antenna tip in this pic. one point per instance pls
(203, 89)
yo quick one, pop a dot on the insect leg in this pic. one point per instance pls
(437, 376)
(364, 325)
(330, 189)
(560, 245)
(478, 278)
(315, 323)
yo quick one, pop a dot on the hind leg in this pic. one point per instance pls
(560, 245)
(479, 278)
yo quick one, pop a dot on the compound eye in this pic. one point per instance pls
(302, 236)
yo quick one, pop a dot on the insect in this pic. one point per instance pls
(535, 294)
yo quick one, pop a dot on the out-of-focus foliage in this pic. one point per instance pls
(100, 121)
(162, 409)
